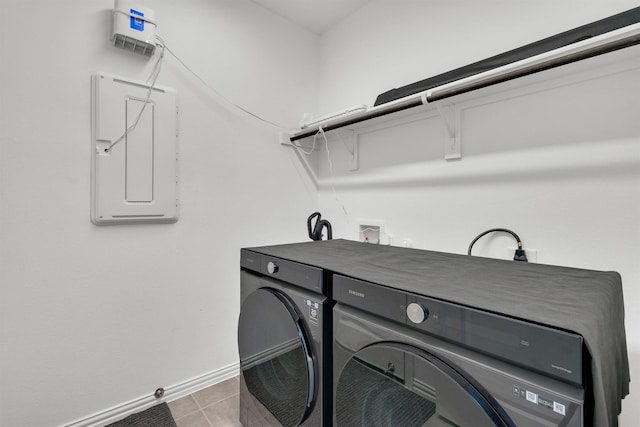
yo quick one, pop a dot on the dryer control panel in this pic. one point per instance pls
(301, 275)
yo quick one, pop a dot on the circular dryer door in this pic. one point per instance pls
(276, 359)
(392, 384)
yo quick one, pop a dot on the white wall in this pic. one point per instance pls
(561, 166)
(95, 317)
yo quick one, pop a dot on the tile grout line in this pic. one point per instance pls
(213, 404)
(201, 411)
(189, 413)
(207, 418)
(201, 408)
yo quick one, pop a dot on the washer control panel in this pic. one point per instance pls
(272, 267)
(551, 351)
(547, 350)
(417, 313)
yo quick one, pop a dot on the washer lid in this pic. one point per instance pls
(276, 358)
(393, 384)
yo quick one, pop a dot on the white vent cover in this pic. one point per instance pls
(133, 27)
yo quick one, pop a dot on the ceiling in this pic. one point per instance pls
(315, 15)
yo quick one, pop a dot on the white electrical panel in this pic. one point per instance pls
(135, 177)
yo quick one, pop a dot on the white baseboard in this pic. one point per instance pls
(171, 393)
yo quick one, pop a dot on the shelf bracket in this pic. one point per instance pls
(449, 115)
(351, 143)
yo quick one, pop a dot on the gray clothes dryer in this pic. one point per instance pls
(402, 359)
(282, 343)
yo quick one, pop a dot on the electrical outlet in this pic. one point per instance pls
(532, 254)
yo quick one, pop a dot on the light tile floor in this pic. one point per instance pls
(215, 406)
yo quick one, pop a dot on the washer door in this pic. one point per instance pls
(276, 359)
(393, 384)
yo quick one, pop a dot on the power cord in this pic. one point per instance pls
(218, 94)
(519, 255)
(333, 178)
(153, 77)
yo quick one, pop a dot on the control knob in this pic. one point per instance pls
(417, 313)
(272, 267)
